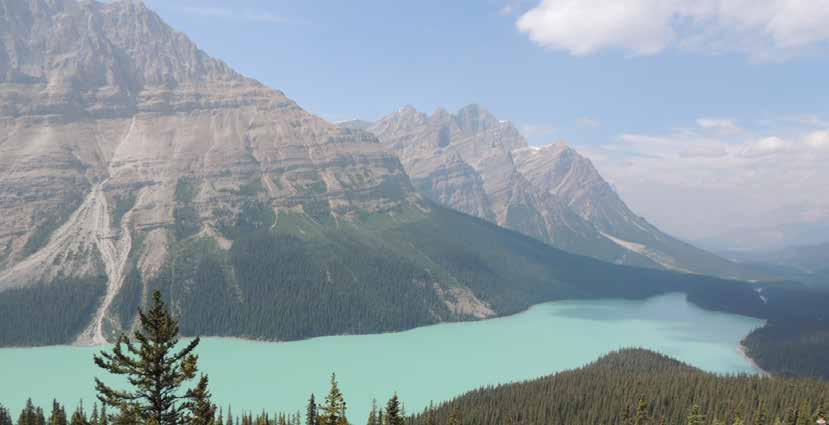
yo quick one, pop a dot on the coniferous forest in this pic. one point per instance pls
(629, 387)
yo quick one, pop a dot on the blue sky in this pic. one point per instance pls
(602, 74)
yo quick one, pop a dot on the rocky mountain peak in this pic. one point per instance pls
(89, 45)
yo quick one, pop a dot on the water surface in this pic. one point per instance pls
(433, 363)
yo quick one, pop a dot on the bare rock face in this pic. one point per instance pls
(477, 164)
(561, 171)
(465, 161)
(117, 135)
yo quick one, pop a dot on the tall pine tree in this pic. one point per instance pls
(333, 411)
(5, 416)
(393, 413)
(372, 414)
(58, 415)
(155, 372)
(311, 412)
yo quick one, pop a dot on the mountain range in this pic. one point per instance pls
(132, 161)
(475, 163)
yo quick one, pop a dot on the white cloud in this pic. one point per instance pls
(818, 140)
(725, 126)
(698, 183)
(766, 146)
(763, 28)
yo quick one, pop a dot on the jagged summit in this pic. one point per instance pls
(549, 192)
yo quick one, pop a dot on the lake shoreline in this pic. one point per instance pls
(743, 350)
(251, 339)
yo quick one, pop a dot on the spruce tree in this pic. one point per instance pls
(30, 415)
(695, 416)
(201, 410)
(372, 415)
(393, 414)
(5, 416)
(79, 417)
(333, 411)
(104, 418)
(58, 415)
(155, 372)
(94, 418)
(311, 412)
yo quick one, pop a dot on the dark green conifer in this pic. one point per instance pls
(5, 416)
(94, 418)
(372, 414)
(58, 415)
(79, 416)
(104, 418)
(201, 410)
(334, 409)
(393, 413)
(311, 411)
(154, 370)
(30, 415)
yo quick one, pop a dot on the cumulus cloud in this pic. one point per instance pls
(763, 28)
(698, 182)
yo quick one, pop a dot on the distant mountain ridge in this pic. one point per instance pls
(475, 163)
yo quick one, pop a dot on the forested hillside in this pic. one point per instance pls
(294, 276)
(638, 387)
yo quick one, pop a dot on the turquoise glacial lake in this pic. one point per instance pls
(433, 363)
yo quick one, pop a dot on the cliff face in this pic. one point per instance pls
(477, 164)
(467, 161)
(118, 135)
